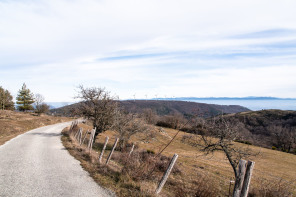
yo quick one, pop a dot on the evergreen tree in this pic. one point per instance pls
(6, 100)
(25, 99)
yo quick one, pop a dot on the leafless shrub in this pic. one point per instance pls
(198, 186)
(174, 121)
(149, 116)
(126, 126)
(143, 165)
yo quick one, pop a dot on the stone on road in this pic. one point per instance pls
(37, 164)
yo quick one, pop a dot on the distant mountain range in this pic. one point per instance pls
(54, 105)
(224, 98)
(165, 108)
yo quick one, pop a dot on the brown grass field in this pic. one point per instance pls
(274, 173)
(13, 123)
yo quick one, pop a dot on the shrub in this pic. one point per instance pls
(201, 187)
(143, 165)
(243, 142)
(273, 148)
(150, 152)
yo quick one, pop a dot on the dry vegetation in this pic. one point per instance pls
(14, 123)
(194, 174)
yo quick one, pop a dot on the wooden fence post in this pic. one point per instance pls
(110, 155)
(131, 150)
(104, 147)
(76, 134)
(80, 136)
(71, 127)
(247, 179)
(90, 139)
(86, 132)
(166, 174)
(240, 178)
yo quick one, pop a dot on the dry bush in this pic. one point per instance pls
(149, 116)
(197, 186)
(142, 165)
(174, 121)
(273, 188)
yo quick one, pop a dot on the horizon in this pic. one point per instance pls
(149, 49)
(189, 97)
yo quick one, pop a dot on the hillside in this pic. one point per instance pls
(206, 175)
(270, 128)
(14, 123)
(167, 107)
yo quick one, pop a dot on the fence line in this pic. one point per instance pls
(242, 183)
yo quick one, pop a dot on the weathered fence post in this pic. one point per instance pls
(131, 150)
(86, 132)
(247, 179)
(229, 189)
(104, 147)
(71, 127)
(110, 155)
(76, 134)
(80, 136)
(166, 174)
(240, 178)
(92, 139)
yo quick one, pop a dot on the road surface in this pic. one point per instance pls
(37, 164)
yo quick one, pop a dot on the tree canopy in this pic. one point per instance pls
(6, 100)
(25, 99)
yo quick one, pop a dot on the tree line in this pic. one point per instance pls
(25, 101)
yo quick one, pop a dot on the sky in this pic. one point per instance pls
(149, 48)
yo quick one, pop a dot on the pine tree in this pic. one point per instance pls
(25, 99)
(6, 100)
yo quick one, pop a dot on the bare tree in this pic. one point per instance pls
(283, 137)
(98, 106)
(128, 125)
(149, 116)
(220, 135)
(40, 106)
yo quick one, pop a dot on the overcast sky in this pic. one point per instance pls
(167, 48)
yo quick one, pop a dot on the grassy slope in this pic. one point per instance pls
(13, 123)
(270, 165)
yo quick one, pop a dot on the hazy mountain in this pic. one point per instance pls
(167, 107)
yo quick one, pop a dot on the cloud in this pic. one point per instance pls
(148, 47)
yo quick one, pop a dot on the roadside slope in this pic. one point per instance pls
(14, 123)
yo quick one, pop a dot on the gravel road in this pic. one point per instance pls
(37, 164)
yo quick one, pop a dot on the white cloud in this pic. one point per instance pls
(190, 48)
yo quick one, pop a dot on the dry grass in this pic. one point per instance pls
(199, 175)
(13, 123)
